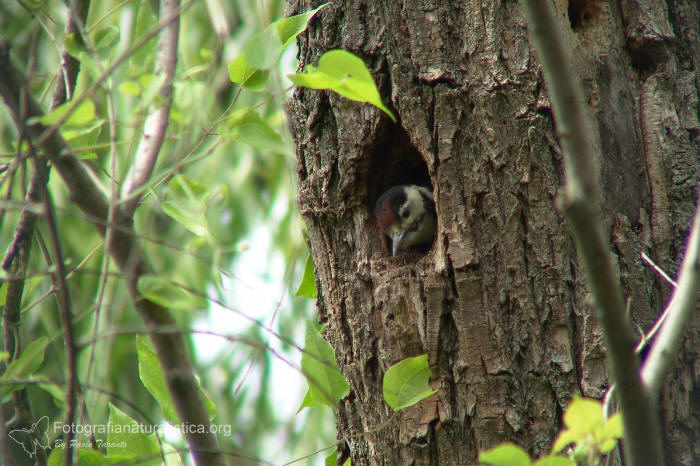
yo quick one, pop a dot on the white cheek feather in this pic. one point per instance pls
(416, 207)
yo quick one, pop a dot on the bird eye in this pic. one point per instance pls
(405, 214)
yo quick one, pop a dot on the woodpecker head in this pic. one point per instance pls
(406, 214)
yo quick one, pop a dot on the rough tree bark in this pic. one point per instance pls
(498, 303)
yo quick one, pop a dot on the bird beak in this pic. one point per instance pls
(396, 241)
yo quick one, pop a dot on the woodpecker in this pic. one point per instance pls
(406, 214)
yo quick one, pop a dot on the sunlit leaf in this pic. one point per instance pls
(72, 133)
(327, 385)
(555, 460)
(56, 392)
(153, 378)
(332, 460)
(73, 45)
(406, 382)
(106, 37)
(29, 360)
(242, 72)
(564, 438)
(126, 437)
(584, 415)
(161, 291)
(83, 114)
(307, 287)
(248, 127)
(131, 88)
(308, 402)
(188, 214)
(289, 28)
(263, 50)
(585, 423)
(344, 73)
(505, 454)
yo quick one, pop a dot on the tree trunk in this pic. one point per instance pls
(498, 303)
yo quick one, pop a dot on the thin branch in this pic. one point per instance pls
(647, 260)
(50, 132)
(58, 279)
(642, 433)
(4, 444)
(681, 306)
(70, 66)
(129, 256)
(15, 265)
(157, 121)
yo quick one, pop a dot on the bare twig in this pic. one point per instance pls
(15, 264)
(49, 133)
(157, 121)
(647, 260)
(642, 432)
(58, 280)
(129, 256)
(21, 242)
(678, 311)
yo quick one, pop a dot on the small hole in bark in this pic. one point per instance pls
(582, 13)
(372, 369)
(395, 161)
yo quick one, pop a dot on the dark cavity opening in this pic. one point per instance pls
(395, 161)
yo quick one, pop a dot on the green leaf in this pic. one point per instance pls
(307, 287)
(73, 45)
(327, 385)
(24, 366)
(585, 423)
(308, 402)
(106, 37)
(90, 64)
(332, 459)
(263, 49)
(131, 88)
(584, 415)
(406, 382)
(289, 28)
(87, 457)
(608, 435)
(184, 186)
(564, 438)
(505, 454)
(187, 204)
(161, 291)
(247, 126)
(127, 437)
(83, 114)
(90, 132)
(59, 396)
(554, 460)
(242, 72)
(344, 73)
(188, 215)
(152, 377)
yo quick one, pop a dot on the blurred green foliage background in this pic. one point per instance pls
(219, 217)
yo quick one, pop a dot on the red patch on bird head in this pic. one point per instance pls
(384, 215)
